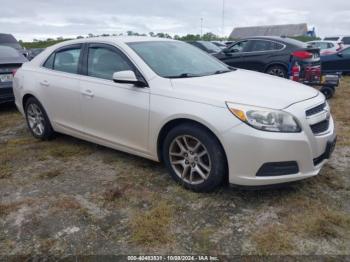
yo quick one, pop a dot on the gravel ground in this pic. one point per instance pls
(69, 197)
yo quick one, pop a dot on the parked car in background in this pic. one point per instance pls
(337, 63)
(168, 101)
(10, 41)
(344, 39)
(327, 47)
(33, 52)
(220, 44)
(271, 55)
(229, 43)
(10, 61)
(207, 46)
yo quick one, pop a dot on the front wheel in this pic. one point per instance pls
(194, 157)
(37, 120)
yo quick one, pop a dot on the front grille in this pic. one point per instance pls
(315, 110)
(320, 127)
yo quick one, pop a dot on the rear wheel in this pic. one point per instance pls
(194, 157)
(277, 70)
(37, 120)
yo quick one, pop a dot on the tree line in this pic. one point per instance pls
(189, 37)
(36, 43)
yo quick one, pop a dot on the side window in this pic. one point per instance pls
(238, 47)
(346, 40)
(49, 62)
(277, 46)
(103, 63)
(330, 45)
(261, 45)
(67, 60)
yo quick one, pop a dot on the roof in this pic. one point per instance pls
(270, 30)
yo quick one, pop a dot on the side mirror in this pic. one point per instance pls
(128, 77)
(340, 54)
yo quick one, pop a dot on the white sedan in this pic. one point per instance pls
(327, 47)
(169, 101)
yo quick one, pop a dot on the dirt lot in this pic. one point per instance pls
(67, 196)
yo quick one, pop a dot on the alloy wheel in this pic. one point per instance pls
(36, 119)
(190, 159)
(277, 72)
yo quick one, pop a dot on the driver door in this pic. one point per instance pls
(113, 112)
(234, 54)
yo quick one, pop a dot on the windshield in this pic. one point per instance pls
(210, 47)
(172, 59)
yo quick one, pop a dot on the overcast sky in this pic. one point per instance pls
(28, 19)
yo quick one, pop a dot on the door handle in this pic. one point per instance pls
(88, 93)
(44, 83)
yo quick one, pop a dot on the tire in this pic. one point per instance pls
(277, 70)
(328, 91)
(186, 162)
(37, 120)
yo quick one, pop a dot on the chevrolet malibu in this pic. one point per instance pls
(168, 101)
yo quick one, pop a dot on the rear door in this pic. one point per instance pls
(259, 53)
(58, 83)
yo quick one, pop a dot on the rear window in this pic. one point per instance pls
(346, 40)
(294, 42)
(8, 52)
(331, 38)
(5, 38)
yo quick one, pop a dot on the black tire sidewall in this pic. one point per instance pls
(216, 153)
(277, 67)
(328, 92)
(48, 130)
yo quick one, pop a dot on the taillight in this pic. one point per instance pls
(302, 54)
(14, 71)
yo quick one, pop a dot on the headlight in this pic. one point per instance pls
(265, 119)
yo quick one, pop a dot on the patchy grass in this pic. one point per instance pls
(202, 239)
(7, 208)
(67, 203)
(341, 112)
(113, 193)
(64, 150)
(273, 240)
(152, 227)
(302, 217)
(50, 174)
(9, 118)
(5, 169)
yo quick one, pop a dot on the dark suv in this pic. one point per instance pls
(10, 41)
(272, 55)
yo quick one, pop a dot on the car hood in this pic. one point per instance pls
(244, 87)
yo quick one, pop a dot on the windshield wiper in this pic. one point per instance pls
(184, 75)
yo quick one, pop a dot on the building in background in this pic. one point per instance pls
(291, 30)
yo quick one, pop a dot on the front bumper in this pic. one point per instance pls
(248, 149)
